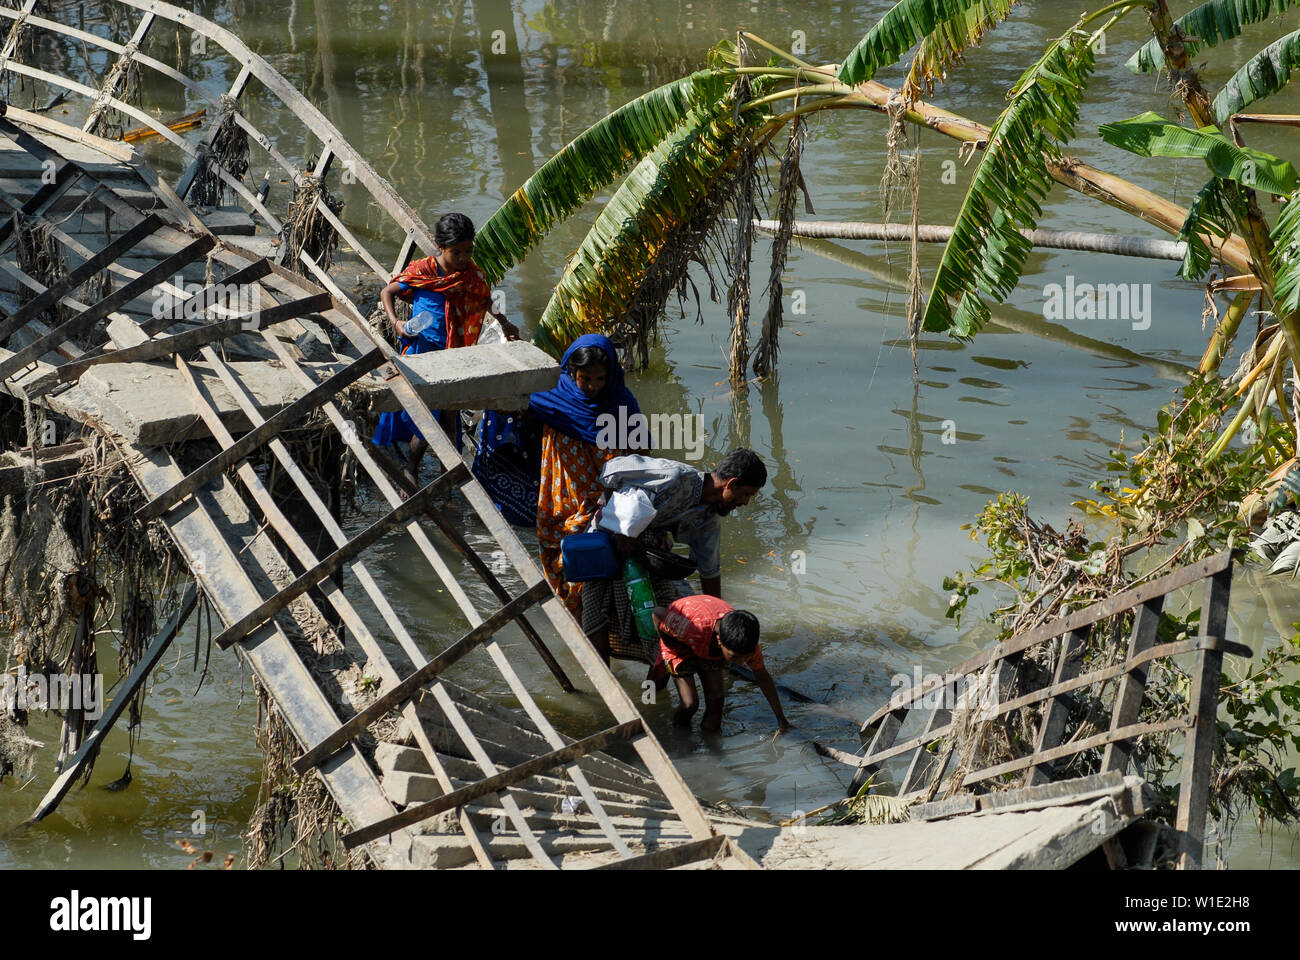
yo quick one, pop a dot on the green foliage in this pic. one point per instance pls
(1259, 726)
(657, 198)
(1261, 76)
(1211, 214)
(946, 26)
(1174, 498)
(1153, 496)
(1210, 24)
(594, 159)
(945, 44)
(1286, 257)
(1151, 135)
(987, 252)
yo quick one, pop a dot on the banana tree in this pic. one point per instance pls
(686, 153)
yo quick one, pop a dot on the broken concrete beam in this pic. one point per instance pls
(55, 463)
(440, 852)
(150, 403)
(406, 788)
(227, 221)
(492, 376)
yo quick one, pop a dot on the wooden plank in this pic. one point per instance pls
(258, 436)
(111, 46)
(884, 738)
(1120, 602)
(268, 608)
(1173, 649)
(138, 675)
(1131, 732)
(1132, 686)
(1052, 728)
(227, 582)
(415, 814)
(1059, 844)
(64, 179)
(648, 748)
(78, 325)
(409, 687)
(333, 593)
(117, 73)
(55, 80)
(191, 339)
(1203, 705)
(186, 182)
(79, 275)
(398, 476)
(361, 450)
(675, 856)
(11, 40)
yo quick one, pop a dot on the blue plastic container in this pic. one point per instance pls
(588, 556)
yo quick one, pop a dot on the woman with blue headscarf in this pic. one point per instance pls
(575, 448)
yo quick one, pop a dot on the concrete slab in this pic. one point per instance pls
(150, 404)
(1052, 839)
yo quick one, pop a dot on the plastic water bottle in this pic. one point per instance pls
(421, 321)
(641, 595)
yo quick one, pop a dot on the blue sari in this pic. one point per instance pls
(397, 426)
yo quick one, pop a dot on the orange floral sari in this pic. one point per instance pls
(566, 503)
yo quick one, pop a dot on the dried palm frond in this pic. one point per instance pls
(306, 230)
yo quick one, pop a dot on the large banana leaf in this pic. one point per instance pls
(660, 194)
(943, 47)
(986, 253)
(947, 26)
(1210, 215)
(1262, 75)
(1286, 257)
(1151, 135)
(594, 159)
(1210, 24)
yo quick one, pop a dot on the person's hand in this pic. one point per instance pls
(624, 546)
(508, 328)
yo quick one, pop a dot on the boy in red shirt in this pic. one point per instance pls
(700, 634)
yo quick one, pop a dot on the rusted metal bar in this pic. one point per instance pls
(409, 687)
(255, 438)
(268, 608)
(79, 275)
(78, 325)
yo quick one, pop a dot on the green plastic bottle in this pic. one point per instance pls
(641, 595)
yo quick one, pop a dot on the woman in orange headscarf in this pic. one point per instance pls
(448, 296)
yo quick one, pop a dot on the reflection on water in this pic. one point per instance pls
(872, 472)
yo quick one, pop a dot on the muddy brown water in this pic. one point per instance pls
(843, 553)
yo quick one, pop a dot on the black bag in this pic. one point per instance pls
(666, 565)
